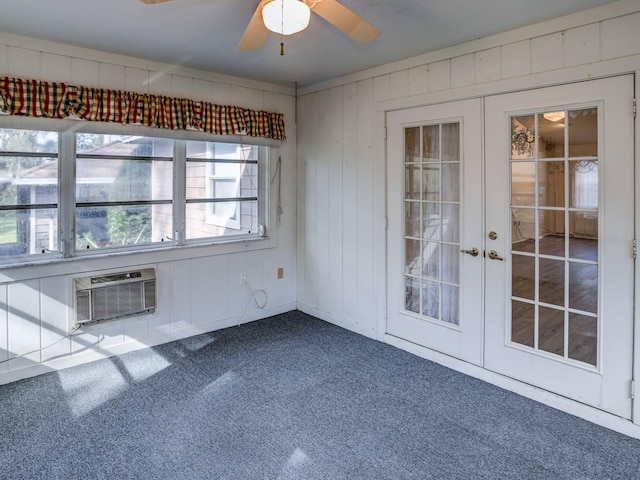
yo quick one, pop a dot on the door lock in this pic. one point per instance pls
(473, 252)
(493, 255)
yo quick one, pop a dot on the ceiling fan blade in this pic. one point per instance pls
(256, 33)
(347, 21)
(152, 2)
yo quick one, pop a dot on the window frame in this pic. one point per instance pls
(177, 246)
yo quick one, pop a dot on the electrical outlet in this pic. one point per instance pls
(280, 273)
(243, 278)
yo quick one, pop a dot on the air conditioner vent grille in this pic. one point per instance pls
(105, 297)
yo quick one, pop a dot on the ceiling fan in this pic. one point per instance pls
(332, 11)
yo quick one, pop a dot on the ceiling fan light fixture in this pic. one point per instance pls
(286, 17)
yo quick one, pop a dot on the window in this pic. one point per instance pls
(222, 189)
(28, 192)
(124, 192)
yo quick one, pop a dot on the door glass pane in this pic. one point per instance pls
(583, 287)
(523, 183)
(551, 330)
(412, 219)
(451, 182)
(450, 303)
(551, 281)
(523, 278)
(411, 145)
(431, 142)
(431, 299)
(554, 213)
(523, 135)
(451, 142)
(523, 323)
(583, 338)
(583, 132)
(412, 182)
(551, 134)
(432, 221)
(412, 294)
(523, 229)
(451, 222)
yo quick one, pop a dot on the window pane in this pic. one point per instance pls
(551, 134)
(217, 219)
(114, 226)
(109, 180)
(28, 177)
(123, 146)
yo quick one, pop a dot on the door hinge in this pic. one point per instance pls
(385, 128)
(635, 107)
(634, 249)
(633, 389)
(386, 223)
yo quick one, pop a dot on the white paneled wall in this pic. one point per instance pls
(341, 157)
(198, 288)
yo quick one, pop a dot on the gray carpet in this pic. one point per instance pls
(290, 397)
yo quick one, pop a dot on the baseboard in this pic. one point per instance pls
(366, 330)
(133, 345)
(591, 414)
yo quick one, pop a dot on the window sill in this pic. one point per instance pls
(53, 265)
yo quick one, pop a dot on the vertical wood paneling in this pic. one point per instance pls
(581, 45)
(3, 59)
(365, 115)
(55, 294)
(620, 37)
(419, 80)
(85, 72)
(335, 205)
(181, 282)
(463, 71)
(22, 62)
(546, 53)
(487, 65)
(321, 162)
(399, 84)
(440, 75)
(220, 287)
(4, 327)
(111, 76)
(160, 83)
(24, 322)
(381, 86)
(350, 240)
(55, 68)
(254, 271)
(111, 333)
(238, 296)
(201, 89)
(516, 59)
(305, 105)
(136, 80)
(181, 86)
(160, 322)
(200, 291)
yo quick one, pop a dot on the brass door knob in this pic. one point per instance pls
(473, 252)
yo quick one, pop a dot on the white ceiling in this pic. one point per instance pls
(204, 34)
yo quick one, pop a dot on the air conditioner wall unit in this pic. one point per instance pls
(102, 297)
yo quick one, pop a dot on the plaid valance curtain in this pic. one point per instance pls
(35, 98)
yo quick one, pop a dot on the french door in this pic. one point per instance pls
(434, 213)
(559, 201)
(523, 266)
